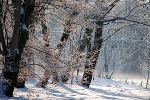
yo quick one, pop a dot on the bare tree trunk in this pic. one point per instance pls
(92, 57)
(86, 42)
(19, 38)
(44, 81)
(3, 49)
(67, 30)
(23, 69)
(2, 41)
(25, 19)
(60, 46)
(11, 69)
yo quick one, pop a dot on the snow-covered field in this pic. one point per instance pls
(100, 89)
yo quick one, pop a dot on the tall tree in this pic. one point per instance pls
(67, 30)
(25, 20)
(93, 55)
(20, 36)
(44, 81)
(10, 71)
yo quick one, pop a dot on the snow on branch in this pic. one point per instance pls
(119, 18)
(103, 20)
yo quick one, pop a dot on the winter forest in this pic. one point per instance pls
(88, 44)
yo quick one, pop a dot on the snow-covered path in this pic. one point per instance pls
(100, 89)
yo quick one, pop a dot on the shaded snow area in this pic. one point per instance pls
(100, 89)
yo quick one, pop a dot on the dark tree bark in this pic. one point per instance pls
(86, 41)
(92, 56)
(25, 19)
(19, 38)
(3, 49)
(10, 71)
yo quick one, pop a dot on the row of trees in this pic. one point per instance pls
(21, 52)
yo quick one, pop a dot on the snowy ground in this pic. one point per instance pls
(100, 89)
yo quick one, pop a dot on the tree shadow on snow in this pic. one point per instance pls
(58, 94)
(25, 89)
(13, 98)
(113, 94)
(71, 90)
(111, 98)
